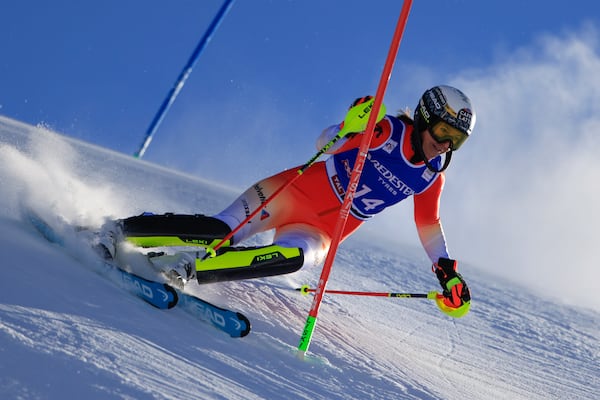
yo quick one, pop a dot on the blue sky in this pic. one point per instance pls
(100, 70)
(277, 72)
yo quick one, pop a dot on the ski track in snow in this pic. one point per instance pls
(67, 331)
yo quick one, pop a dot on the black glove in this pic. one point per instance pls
(457, 296)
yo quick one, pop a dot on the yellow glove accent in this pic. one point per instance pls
(457, 312)
(358, 116)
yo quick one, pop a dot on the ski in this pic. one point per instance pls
(158, 294)
(231, 322)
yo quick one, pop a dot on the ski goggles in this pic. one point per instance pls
(443, 132)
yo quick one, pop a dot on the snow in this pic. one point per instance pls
(68, 332)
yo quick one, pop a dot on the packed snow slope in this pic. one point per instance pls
(68, 332)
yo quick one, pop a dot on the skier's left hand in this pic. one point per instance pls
(456, 299)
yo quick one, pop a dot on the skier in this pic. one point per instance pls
(406, 158)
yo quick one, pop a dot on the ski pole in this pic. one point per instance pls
(353, 122)
(185, 73)
(432, 295)
(361, 157)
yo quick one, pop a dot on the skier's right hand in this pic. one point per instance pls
(358, 116)
(360, 100)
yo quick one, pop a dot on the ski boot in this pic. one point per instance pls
(178, 268)
(108, 237)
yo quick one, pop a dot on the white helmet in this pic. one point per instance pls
(446, 104)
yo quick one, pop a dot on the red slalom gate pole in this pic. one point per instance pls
(311, 320)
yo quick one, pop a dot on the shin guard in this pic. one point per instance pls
(149, 230)
(235, 263)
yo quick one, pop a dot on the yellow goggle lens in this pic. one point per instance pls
(443, 132)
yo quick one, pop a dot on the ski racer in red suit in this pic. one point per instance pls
(406, 158)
